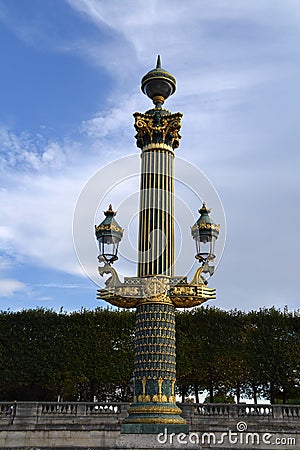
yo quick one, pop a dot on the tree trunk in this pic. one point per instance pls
(196, 389)
(238, 393)
(211, 391)
(254, 387)
(92, 390)
(284, 396)
(183, 393)
(272, 393)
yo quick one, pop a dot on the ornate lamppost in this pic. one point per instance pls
(156, 292)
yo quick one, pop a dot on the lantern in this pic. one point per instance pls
(109, 234)
(205, 232)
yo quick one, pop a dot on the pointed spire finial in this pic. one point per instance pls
(158, 84)
(110, 211)
(158, 64)
(204, 209)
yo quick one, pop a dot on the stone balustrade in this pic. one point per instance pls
(94, 426)
(37, 411)
(246, 410)
(79, 408)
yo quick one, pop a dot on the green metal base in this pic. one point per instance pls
(153, 428)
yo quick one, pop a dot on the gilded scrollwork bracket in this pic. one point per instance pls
(135, 291)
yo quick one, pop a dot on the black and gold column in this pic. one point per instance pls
(155, 361)
(155, 292)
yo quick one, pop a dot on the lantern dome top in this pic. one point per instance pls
(204, 214)
(109, 226)
(205, 223)
(158, 84)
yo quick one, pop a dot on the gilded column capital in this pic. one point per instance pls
(157, 128)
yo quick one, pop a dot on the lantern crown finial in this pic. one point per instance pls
(110, 211)
(204, 209)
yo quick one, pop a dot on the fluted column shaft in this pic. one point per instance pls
(157, 136)
(156, 224)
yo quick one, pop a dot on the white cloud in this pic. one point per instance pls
(5, 261)
(28, 152)
(193, 30)
(115, 123)
(39, 197)
(63, 286)
(9, 286)
(37, 214)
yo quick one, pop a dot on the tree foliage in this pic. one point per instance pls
(254, 354)
(46, 355)
(84, 355)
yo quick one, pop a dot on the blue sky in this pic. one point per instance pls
(70, 81)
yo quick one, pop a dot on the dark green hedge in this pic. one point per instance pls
(78, 356)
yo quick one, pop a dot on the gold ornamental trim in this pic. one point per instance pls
(144, 398)
(109, 227)
(172, 399)
(136, 291)
(154, 410)
(160, 397)
(166, 126)
(158, 146)
(165, 301)
(206, 226)
(158, 98)
(152, 377)
(170, 420)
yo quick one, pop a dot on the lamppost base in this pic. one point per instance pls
(154, 418)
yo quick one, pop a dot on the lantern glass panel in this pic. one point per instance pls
(205, 244)
(204, 249)
(108, 247)
(212, 249)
